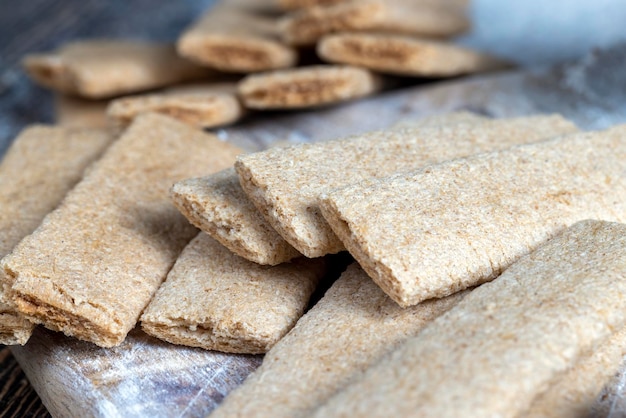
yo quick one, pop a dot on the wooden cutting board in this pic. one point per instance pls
(146, 377)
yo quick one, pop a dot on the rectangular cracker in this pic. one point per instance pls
(575, 394)
(218, 205)
(216, 300)
(71, 111)
(285, 184)
(429, 19)
(97, 260)
(506, 341)
(306, 87)
(432, 232)
(232, 39)
(39, 168)
(404, 55)
(349, 329)
(99, 69)
(201, 106)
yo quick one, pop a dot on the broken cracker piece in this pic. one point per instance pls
(352, 327)
(472, 217)
(403, 55)
(508, 340)
(99, 69)
(218, 205)
(217, 300)
(285, 184)
(39, 168)
(96, 261)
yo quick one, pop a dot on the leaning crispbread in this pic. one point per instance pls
(349, 329)
(217, 300)
(472, 217)
(40, 167)
(285, 184)
(508, 340)
(217, 205)
(96, 261)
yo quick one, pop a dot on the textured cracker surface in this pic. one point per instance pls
(506, 341)
(218, 205)
(575, 393)
(403, 55)
(101, 69)
(203, 106)
(285, 184)
(429, 19)
(307, 87)
(217, 300)
(97, 260)
(233, 40)
(350, 328)
(40, 167)
(471, 218)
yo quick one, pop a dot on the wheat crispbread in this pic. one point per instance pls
(96, 261)
(201, 105)
(506, 341)
(217, 300)
(286, 183)
(404, 55)
(575, 394)
(99, 69)
(349, 329)
(472, 217)
(40, 167)
(306, 87)
(232, 39)
(217, 205)
(430, 19)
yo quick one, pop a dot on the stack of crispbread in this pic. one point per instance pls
(266, 55)
(430, 210)
(487, 257)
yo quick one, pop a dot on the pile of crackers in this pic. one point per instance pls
(246, 56)
(484, 267)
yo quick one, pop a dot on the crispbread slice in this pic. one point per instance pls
(506, 341)
(201, 106)
(40, 167)
(574, 394)
(430, 19)
(471, 218)
(96, 261)
(232, 39)
(305, 87)
(217, 300)
(217, 205)
(349, 329)
(404, 55)
(285, 184)
(105, 68)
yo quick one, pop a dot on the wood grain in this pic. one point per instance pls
(17, 396)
